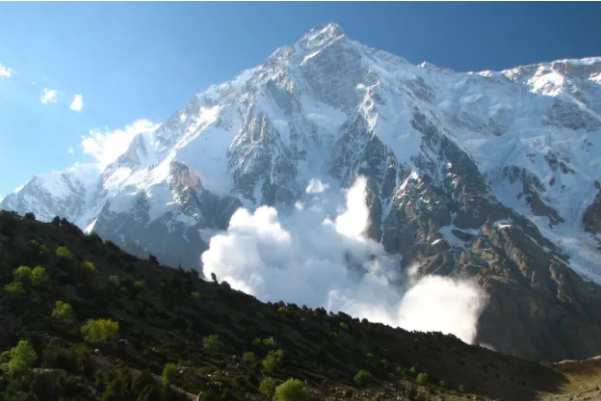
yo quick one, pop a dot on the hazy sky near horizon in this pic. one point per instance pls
(71, 69)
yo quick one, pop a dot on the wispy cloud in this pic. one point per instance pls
(71, 150)
(5, 72)
(77, 103)
(106, 146)
(49, 96)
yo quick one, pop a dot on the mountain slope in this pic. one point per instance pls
(165, 314)
(488, 175)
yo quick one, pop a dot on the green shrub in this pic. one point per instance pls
(20, 358)
(269, 342)
(363, 377)
(422, 378)
(114, 280)
(273, 360)
(460, 388)
(22, 275)
(249, 357)
(88, 266)
(100, 330)
(413, 371)
(170, 373)
(270, 364)
(39, 277)
(15, 288)
(343, 326)
(257, 342)
(64, 253)
(212, 343)
(442, 384)
(194, 294)
(140, 284)
(267, 387)
(116, 389)
(81, 354)
(56, 356)
(62, 310)
(292, 390)
(44, 252)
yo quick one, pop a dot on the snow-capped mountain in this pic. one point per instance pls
(491, 175)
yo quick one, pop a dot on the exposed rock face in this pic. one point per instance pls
(485, 175)
(592, 216)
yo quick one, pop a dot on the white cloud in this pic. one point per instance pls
(71, 150)
(5, 72)
(49, 96)
(106, 146)
(77, 103)
(308, 257)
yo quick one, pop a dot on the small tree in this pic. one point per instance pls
(363, 377)
(212, 343)
(15, 288)
(22, 358)
(88, 266)
(100, 330)
(114, 280)
(62, 310)
(422, 378)
(269, 342)
(39, 277)
(63, 252)
(249, 357)
(22, 275)
(170, 373)
(273, 360)
(292, 390)
(267, 387)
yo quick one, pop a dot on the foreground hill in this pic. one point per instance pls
(167, 315)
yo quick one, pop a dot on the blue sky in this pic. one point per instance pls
(133, 61)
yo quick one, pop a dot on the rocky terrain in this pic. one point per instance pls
(491, 176)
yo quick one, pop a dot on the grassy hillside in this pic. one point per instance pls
(81, 319)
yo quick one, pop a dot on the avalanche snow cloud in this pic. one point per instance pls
(307, 257)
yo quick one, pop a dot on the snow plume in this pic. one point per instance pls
(307, 257)
(106, 146)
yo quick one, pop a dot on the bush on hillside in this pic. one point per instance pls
(292, 390)
(100, 330)
(363, 377)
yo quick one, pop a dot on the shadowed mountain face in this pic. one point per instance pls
(488, 175)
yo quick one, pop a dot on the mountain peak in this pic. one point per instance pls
(321, 35)
(332, 29)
